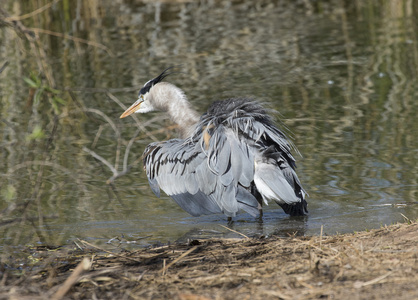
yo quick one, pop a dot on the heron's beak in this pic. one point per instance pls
(133, 108)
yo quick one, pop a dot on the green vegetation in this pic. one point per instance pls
(44, 92)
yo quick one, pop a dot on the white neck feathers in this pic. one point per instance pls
(167, 97)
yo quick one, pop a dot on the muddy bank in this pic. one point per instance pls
(378, 264)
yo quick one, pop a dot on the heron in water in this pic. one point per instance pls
(232, 157)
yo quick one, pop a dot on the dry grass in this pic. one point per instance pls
(379, 264)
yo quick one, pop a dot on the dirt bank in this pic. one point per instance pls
(379, 264)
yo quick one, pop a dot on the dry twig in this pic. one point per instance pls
(110, 252)
(84, 265)
(165, 268)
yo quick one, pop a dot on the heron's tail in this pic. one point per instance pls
(297, 209)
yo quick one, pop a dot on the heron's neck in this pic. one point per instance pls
(172, 99)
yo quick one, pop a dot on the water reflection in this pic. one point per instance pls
(341, 73)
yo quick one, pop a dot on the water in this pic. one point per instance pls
(343, 76)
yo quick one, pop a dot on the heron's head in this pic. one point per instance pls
(144, 103)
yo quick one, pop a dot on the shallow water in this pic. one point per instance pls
(342, 75)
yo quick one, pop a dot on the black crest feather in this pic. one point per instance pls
(154, 81)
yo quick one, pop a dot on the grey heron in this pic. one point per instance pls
(232, 157)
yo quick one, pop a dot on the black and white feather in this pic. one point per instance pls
(150, 83)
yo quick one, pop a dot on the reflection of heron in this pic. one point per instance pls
(232, 158)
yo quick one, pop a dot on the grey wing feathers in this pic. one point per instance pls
(234, 147)
(199, 180)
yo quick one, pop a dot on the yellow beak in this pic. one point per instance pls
(133, 108)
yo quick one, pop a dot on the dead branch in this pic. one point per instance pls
(84, 265)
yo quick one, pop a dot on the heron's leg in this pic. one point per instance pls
(259, 198)
(230, 221)
(260, 216)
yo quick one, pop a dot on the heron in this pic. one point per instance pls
(231, 158)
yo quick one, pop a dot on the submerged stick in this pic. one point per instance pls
(237, 232)
(4, 66)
